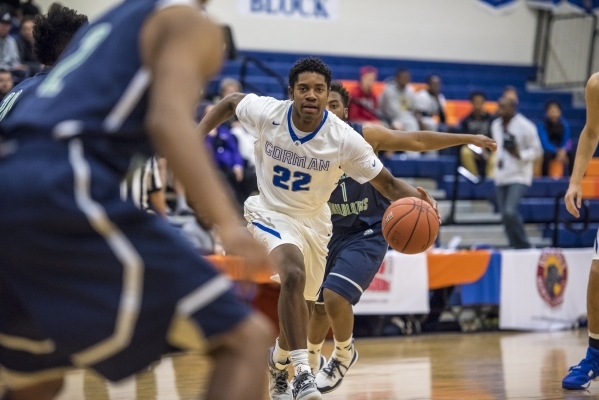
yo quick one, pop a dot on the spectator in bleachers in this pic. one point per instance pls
(9, 52)
(518, 146)
(510, 92)
(6, 83)
(29, 9)
(430, 106)
(396, 103)
(478, 122)
(25, 45)
(556, 139)
(364, 104)
(226, 155)
(245, 142)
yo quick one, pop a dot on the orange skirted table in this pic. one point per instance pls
(456, 268)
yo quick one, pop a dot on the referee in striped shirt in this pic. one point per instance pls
(144, 186)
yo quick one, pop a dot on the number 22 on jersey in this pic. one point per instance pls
(282, 175)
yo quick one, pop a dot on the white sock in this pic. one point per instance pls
(343, 350)
(299, 359)
(314, 354)
(181, 202)
(279, 355)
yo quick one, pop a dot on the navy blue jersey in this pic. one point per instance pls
(97, 89)
(22, 90)
(355, 206)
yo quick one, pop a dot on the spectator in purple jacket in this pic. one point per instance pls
(227, 156)
(555, 136)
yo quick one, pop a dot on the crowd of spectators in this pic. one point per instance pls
(525, 149)
(16, 39)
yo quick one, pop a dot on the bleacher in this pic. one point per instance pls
(476, 215)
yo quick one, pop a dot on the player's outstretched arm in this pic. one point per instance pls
(223, 111)
(394, 189)
(182, 49)
(381, 138)
(589, 138)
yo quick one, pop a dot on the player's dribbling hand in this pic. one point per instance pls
(238, 241)
(483, 141)
(429, 199)
(573, 199)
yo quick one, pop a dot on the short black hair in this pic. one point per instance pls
(339, 88)
(477, 94)
(429, 79)
(400, 71)
(53, 32)
(553, 102)
(309, 64)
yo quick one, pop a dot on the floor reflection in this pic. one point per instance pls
(504, 365)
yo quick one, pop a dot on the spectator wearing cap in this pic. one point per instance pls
(430, 106)
(556, 139)
(478, 122)
(25, 44)
(363, 107)
(9, 51)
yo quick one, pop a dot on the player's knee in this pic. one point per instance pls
(333, 301)
(294, 278)
(595, 268)
(320, 311)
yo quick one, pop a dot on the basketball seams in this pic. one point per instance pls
(386, 230)
(414, 227)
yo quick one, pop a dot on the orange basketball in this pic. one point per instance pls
(410, 225)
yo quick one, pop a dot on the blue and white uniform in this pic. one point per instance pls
(86, 279)
(297, 171)
(357, 248)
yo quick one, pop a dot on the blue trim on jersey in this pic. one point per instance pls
(308, 137)
(267, 230)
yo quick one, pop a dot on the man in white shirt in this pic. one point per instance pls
(397, 102)
(430, 105)
(518, 145)
(301, 151)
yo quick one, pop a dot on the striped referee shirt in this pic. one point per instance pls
(141, 183)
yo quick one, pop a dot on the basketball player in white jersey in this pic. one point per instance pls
(301, 151)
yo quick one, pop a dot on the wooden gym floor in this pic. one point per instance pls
(502, 365)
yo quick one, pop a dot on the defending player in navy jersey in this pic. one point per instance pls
(301, 151)
(357, 248)
(87, 280)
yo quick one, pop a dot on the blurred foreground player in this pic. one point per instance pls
(301, 151)
(87, 280)
(580, 376)
(357, 248)
(51, 35)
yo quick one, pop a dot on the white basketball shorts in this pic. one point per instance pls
(310, 232)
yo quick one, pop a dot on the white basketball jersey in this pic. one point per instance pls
(296, 174)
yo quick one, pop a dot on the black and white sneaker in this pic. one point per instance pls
(278, 379)
(330, 377)
(304, 387)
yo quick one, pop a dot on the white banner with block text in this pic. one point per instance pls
(543, 289)
(400, 287)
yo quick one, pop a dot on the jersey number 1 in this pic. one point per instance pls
(282, 175)
(53, 84)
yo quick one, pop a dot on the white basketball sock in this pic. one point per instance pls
(299, 359)
(314, 354)
(343, 350)
(279, 355)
